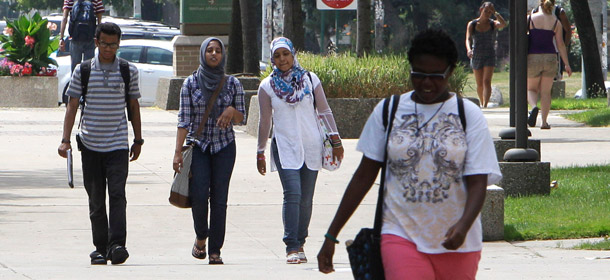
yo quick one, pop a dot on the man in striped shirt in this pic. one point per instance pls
(103, 141)
(84, 46)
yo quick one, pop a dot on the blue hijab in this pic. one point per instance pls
(290, 86)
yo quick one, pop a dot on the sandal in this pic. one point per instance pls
(198, 252)
(545, 126)
(531, 119)
(302, 257)
(293, 258)
(215, 259)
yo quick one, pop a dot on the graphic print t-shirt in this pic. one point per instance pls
(428, 155)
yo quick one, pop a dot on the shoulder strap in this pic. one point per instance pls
(492, 24)
(460, 103)
(124, 68)
(388, 126)
(313, 95)
(529, 22)
(555, 25)
(211, 104)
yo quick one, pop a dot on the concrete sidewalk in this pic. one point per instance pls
(45, 229)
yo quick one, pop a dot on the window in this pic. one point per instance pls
(131, 53)
(159, 56)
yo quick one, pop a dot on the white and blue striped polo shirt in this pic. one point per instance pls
(104, 123)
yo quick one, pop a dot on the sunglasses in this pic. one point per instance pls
(434, 76)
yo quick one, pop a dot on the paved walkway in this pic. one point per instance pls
(45, 230)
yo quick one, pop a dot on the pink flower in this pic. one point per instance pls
(29, 41)
(8, 31)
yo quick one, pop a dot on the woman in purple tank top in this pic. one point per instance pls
(542, 60)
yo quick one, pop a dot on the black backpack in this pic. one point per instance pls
(85, 73)
(83, 21)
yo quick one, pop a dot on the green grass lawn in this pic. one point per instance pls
(578, 208)
(501, 80)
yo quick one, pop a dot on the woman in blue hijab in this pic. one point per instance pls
(214, 147)
(294, 99)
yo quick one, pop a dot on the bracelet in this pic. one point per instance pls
(65, 141)
(331, 238)
(260, 156)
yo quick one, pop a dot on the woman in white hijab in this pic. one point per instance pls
(291, 96)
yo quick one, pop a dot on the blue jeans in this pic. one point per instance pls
(78, 50)
(298, 187)
(210, 181)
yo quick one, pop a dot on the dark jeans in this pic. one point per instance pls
(78, 50)
(210, 181)
(99, 169)
(299, 186)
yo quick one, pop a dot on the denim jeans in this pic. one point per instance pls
(211, 174)
(298, 187)
(99, 170)
(78, 50)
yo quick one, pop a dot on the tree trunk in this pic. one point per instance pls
(298, 26)
(363, 41)
(249, 36)
(287, 9)
(235, 53)
(397, 28)
(594, 79)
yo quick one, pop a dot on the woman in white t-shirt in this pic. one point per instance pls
(288, 96)
(436, 178)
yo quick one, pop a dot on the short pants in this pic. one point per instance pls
(543, 64)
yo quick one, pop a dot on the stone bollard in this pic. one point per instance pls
(492, 214)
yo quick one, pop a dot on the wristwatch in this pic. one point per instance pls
(138, 141)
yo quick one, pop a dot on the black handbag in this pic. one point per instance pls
(365, 250)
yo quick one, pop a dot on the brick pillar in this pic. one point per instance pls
(186, 53)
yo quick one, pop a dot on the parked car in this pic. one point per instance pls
(131, 29)
(152, 57)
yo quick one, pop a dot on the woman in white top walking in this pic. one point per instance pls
(288, 96)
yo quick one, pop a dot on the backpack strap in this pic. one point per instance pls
(85, 73)
(388, 127)
(460, 103)
(473, 25)
(126, 74)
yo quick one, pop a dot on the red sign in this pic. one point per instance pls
(337, 4)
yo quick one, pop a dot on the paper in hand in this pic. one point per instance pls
(70, 177)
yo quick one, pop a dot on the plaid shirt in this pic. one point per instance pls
(192, 108)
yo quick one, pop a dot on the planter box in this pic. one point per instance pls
(30, 91)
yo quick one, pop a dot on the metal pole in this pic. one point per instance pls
(521, 76)
(513, 62)
(520, 153)
(137, 9)
(322, 47)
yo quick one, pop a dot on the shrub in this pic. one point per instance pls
(26, 45)
(374, 76)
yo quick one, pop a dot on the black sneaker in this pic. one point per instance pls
(97, 258)
(117, 254)
(531, 120)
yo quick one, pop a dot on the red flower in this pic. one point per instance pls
(29, 41)
(27, 69)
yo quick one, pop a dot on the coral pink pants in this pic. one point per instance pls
(401, 260)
